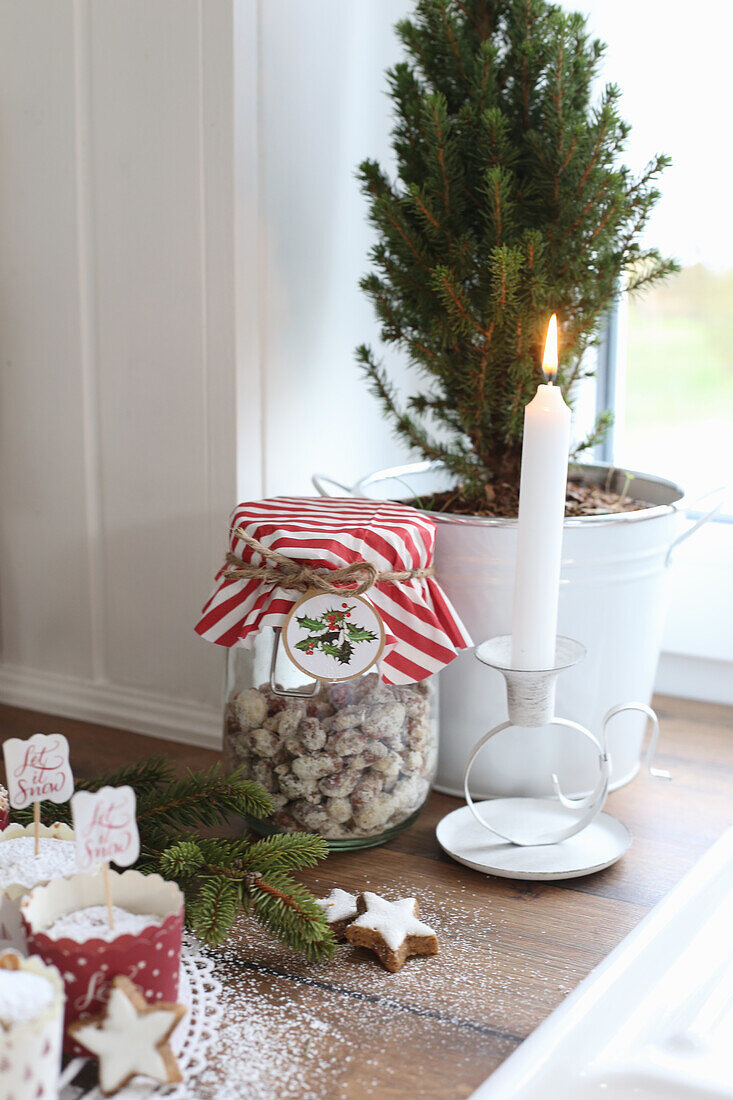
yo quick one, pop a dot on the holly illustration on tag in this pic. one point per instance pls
(333, 639)
(333, 633)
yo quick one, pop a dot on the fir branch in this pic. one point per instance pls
(425, 211)
(451, 34)
(479, 406)
(423, 404)
(224, 852)
(602, 131)
(604, 422)
(651, 268)
(144, 775)
(286, 851)
(437, 113)
(292, 915)
(214, 909)
(456, 302)
(181, 861)
(202, 798)
(382, 388)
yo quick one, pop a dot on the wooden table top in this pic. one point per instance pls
(510, 951)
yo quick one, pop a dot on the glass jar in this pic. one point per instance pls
(352, 760)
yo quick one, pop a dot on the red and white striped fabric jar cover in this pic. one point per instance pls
(423, 630)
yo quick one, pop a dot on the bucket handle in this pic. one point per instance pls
(700, 522)
(321, 483)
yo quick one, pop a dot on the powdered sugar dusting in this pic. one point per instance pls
(93, 923)
(23, 996)
(294, 1030)
(20, 866)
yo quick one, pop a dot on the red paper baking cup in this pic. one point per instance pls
(151, 959)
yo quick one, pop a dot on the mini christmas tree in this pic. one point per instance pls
(510, 204)
(219, 875)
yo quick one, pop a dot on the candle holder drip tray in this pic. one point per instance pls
(540, 838)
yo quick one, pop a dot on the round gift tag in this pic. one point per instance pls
(333, 637)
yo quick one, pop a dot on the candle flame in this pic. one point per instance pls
(549, 359)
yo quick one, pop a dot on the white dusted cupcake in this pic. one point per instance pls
(66, 924)
(21, 869)
(31, 1020)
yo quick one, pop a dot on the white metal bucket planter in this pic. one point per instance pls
(612, 599)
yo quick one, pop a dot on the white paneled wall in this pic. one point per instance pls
(323, 110)
(116, 398)
(45, 547)
(181, 237)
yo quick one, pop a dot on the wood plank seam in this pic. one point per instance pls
(375, 999)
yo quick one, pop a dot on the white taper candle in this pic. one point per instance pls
(541, 514)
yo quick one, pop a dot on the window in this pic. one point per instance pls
(672, 349)
(677, 415)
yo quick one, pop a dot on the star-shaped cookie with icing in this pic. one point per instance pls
(340, 909)
(131, 1037)
(391, 929)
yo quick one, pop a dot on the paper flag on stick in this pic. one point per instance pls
(38, 769)
(105, 827)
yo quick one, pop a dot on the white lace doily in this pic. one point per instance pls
(200, 990)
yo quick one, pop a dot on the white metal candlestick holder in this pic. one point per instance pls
(538, 838)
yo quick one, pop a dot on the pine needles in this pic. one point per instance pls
(219, 875)
(510, 203)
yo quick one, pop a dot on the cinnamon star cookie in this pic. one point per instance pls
(340, 909)
(131, 1037)
(391, 929)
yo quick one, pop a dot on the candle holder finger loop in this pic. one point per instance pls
(651, 752)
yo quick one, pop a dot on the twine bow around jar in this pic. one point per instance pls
(280, 569)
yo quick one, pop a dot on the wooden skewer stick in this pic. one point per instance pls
(108, 894)
(37, 826)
